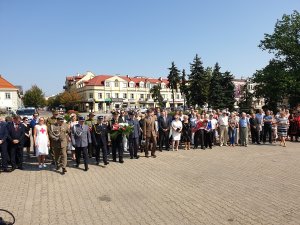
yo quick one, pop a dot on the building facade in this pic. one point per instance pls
(105, 92)
(10, 98)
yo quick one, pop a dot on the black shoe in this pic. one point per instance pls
(121, 161)
(13, 168)
(147, 156)
(106, 163)
(160, 150)
(21, 168)
(64, 171)
(131, 157)
(153, 156)
(114, 160)
(136, 157)
(86, 169)
(258, 143)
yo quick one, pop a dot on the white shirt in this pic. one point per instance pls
(223, 120)
(213, 123)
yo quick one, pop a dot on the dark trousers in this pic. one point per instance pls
(254, 135)
(164, 139)
(78, 151)
(104, 152)
(16, 155)
(133, 146)
(209, 135)
(91, 150)
(199, 138)
(267, 131)
(117, 146)
(4, 155)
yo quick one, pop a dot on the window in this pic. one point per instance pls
(116, 83)
(132, 96)
(141, 84)
(148, 85)
(124, 85)
(116, 95)
(148, 96)
(91, 95)
(107, 84)
(131, 84)
(177, 96)
(7, 96)
(107, 95)
(141, 95)
(99, 95)
(124, 95)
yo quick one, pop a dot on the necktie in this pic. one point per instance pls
(16, 127)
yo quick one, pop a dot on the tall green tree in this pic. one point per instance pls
(198, 83)
(54, 102)
(216, 94)
(184, 89)
(156, 95)
(228, 90)
(174, 79)
(284, 43)
(70, 99)
(34, 97)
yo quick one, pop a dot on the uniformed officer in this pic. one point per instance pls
(117, 142)
(81, 138)
(90, 122)
(100, 137)
(50, 121)
(58, 133)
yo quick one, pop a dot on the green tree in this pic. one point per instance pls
(54, 102)
(70, 99)
(34, 97)
(272, 83)
(284, 43)
(228, 90)
(198, 83)
(184, 89)
(174, 79)
(246, 100)
(216, 94)
(156, 95)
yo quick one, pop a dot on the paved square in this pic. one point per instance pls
(254, 185)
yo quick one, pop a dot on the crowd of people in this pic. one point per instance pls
(54, 137)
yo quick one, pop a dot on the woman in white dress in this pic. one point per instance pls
(176, 126)
(41, 141)
(71, 124)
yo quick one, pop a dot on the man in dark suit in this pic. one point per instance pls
(116, 143)
(100, 137)
(122, 119)
(3, 144)
(16, 136)
(164, 124)
(81, 138)
(134, 136)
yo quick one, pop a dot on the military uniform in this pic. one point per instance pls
(90, 122)
(50, 121)
(59, 134)
(100, 137)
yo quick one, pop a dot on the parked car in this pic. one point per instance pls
(26, 112)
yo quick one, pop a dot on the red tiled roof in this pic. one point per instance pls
(74, 77)
(5, 84)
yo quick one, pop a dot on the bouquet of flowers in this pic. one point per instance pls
(120, 128)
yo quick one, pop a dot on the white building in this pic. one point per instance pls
(10, 98)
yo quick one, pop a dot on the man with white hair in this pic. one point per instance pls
(244, 126)
(223, 123)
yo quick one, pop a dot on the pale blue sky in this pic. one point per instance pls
(42, 42)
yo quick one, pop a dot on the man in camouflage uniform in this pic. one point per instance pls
(59, 134)
(90, 122)
(50, 121)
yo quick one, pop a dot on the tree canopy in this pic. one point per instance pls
(34, 97)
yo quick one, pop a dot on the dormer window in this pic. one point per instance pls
(131, 84)
(116, 83)
(107, 84)
(147, 85)
(141, 84)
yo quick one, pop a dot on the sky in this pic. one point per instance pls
(42, 42)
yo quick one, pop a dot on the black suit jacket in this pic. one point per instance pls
(3, 131)
(164, 124)
(18, 134)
